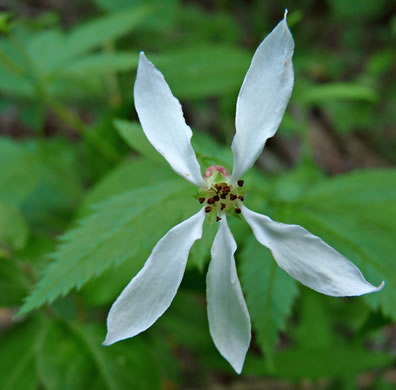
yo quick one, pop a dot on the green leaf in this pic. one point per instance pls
(13, 228)
(100, 64)
(5, 21)
(59, 185)
(189, 328)
(66, 355)
(52, 52)
(203, 71)
(131, 174)
(333, 361)
(314, 329)
(15, 84)
(13, 284)
(355, 213)
(94, 33)
(39, 178)
(209, 152)
(163, 12)
(104, 289)
(134, 136)
(270, 293)
(72, 357)
(44, 50)
(200, 252)
(16, 181)
(17, 353)
(338, 91)
(113, 234)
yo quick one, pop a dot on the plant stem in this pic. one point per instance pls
(92, 138)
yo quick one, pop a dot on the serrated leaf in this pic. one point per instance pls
(106, 238)
(105, 288)
(355, 213)
(129, 175)
(270, 293)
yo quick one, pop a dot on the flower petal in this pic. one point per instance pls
(229, 321)
(161, 116)
(307, 258)
(263, 97)
(152, 290)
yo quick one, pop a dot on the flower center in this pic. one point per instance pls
(220, 196)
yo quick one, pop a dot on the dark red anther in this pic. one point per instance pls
(223, 196)
(218, 219)
(226, 189)
(240, 183)
(238, 210)
(222, 206)
(208, 209)
(233, 197)
(218, 187)
(216, 198)
(241, 197)
(211, 201)
(201, 200)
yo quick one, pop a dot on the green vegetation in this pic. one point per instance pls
(84, 197)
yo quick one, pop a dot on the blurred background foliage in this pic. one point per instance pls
(84, 197)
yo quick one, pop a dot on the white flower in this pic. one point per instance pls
(260, 106)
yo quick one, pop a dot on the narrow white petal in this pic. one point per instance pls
(263, 97)
(229, 321)
(307, 258)
(152, 290)
(162, 119)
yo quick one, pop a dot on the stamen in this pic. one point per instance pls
(220, 196)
